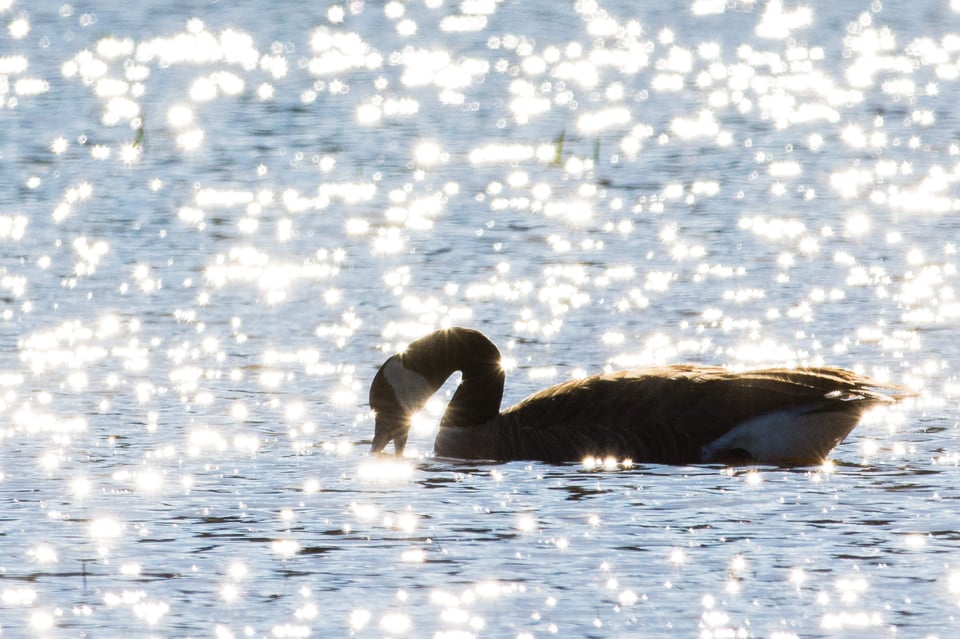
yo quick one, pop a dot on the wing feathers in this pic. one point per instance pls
(670, 414)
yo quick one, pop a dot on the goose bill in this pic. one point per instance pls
(387, 431)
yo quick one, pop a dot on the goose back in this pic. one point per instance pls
(677, 415)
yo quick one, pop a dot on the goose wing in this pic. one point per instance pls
(676, 414)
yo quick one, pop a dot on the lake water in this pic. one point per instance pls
(217, 219)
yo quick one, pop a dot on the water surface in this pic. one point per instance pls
(218, 219)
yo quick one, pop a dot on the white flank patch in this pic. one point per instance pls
(786, 437)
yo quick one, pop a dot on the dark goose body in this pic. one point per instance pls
(678, 414)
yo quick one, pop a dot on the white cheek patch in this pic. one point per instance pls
(410, 387)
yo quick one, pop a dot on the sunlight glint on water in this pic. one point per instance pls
(216, 225)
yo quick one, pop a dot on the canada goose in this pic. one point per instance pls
(678, 414)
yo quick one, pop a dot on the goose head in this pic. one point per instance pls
(396, 394)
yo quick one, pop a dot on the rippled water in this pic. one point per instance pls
(217, 220)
